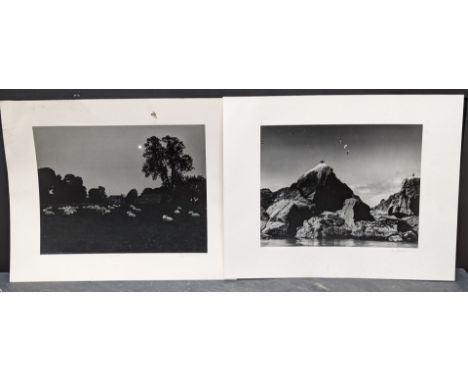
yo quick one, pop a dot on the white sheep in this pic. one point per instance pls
(130, 214)
(68, 210)
(136, 209)
(48, 211)
(176, 212)
(99, 209)
(195, 215)
(167, 218)
(105, 211)
(92, 207)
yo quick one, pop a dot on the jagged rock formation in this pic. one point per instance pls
(354, 210)
(317, 191)
(404, 202)
(287, 211)
(327, 225)
(266, 198)
(320, 206)
(321, 186)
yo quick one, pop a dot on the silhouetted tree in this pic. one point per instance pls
(131, 197)
(147, 191)
(74, 191)
(97, 195)
(54, 189)
(47, 184)
(192, 189)
(165, 159)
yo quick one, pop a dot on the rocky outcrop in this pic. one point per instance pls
(380, 229)
(354, 210)
(318, 190)
(329, 225)
(263, 218)
(320, 206)
(266, 198)
(323, 189)
(403, 203)
(285, 215)
(412, 222)
(385, 228)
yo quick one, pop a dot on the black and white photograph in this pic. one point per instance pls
(340, 185)
(122, 189)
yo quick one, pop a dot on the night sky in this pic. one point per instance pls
(110, 156)
(380, 156)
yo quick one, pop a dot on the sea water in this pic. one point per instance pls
(335, 243)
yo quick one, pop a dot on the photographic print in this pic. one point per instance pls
(340, 185)
(122, 189)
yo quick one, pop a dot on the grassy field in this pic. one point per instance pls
(87, 231)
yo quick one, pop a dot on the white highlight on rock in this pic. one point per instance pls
(322, 169)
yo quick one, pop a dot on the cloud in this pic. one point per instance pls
(373, 193)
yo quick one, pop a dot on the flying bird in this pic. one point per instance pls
(345, 146)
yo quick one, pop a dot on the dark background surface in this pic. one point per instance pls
(462, 245)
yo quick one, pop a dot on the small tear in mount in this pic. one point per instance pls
(154, 115)
(76, 95)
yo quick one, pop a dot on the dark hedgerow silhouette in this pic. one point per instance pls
(193, 189)
(53, 189)
(75, 192)
(131, 197)
(97, 195)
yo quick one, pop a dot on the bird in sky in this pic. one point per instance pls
(345, 147)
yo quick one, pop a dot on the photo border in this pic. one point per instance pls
(442, 119)
(27, 264)
(205, 242)
(389, 194)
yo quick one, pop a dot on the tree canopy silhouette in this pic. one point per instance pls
(74, 190)
(165, 159)
(54, 189)
(192, 189)
(97, 195)
(48, 181)
(131, 197)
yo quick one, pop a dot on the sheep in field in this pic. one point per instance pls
(68, 210)
(135, 209)
(130, 214)
(167, 218)
(48, 211)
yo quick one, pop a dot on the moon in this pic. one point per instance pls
(140, 147)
